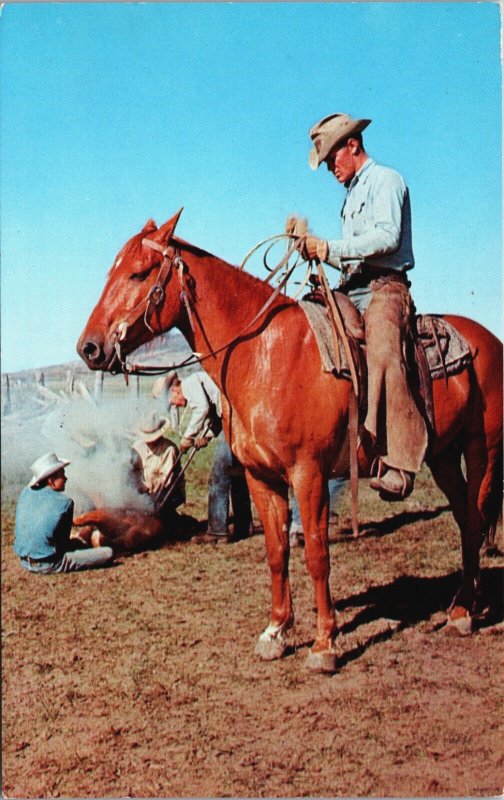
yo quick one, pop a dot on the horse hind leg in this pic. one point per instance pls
(462, 495)
(484, 482)
(490, 547)
(491, 502)
(447, 473)
(272, 505)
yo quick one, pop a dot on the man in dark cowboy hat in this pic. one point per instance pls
(374, 254)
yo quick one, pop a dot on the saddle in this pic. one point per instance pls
(436, 349)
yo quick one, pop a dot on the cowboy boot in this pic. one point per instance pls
(394, 484)
(210, 538)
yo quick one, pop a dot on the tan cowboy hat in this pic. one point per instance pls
(329, 132)
(163, 383)
(45, 466)
(151, 427)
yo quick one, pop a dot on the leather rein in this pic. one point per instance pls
(172, 260)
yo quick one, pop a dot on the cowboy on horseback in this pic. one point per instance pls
(374, 254)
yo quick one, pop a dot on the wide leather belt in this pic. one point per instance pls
(361, 280)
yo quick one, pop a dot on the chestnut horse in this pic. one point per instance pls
(285, 418)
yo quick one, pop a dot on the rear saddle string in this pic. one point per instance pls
(157, 294)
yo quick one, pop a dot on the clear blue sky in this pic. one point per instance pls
(114, 113)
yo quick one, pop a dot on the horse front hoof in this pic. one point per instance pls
(322, 661)
(270, 649)
(459, 622)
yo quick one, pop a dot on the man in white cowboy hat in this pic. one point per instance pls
(203, 397)
(374, 254)
(154, 466)
(44, 522)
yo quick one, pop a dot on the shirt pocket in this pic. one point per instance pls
(357, 218)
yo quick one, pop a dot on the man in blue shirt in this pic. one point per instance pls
(374, 254)
(44, 522)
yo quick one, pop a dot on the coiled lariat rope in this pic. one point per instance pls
(300, 259)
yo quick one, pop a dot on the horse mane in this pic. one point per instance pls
(133, 247)
(252, 280)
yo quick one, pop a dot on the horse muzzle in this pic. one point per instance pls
(96, 353)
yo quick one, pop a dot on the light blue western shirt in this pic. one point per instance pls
(43, 523)
(376, 225)
(204, 399)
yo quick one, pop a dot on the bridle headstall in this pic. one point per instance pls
(157, 295)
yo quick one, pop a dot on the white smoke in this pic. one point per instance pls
(95, 437)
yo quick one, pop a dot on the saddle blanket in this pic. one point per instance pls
(450, 354)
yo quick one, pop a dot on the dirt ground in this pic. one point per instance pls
(140, 680)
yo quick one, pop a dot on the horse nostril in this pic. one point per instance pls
(91, 350)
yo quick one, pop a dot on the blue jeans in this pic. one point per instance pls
(73, 560)
(361, 298)
(227, 476)
(335, 486)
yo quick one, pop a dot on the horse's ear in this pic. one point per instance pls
(149, 227)
(165, 232)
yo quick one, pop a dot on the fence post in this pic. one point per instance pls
(70, 382)
(135, 387)
(98, 386)
(7, 409)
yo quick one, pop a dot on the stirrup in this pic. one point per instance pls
(378, 466)
(385, 492)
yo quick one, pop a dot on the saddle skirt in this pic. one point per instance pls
(446, 351)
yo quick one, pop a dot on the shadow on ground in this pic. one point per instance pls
(383, 527)
(408, 601)
(411, 599)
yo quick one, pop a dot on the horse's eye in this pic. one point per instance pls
(141, 276)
